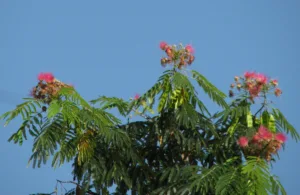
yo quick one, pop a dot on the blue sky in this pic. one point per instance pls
(111, 48)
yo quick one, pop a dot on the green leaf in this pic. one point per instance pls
(112, 102)
(213, 92)
(277, 186)
(53, 109)
(283, 124)
(23, 109)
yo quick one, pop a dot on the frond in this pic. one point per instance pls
(231, 182)
(283, 124)
(51, 133)
(213, 92)
(187, 116)
(31, 125)
(181, 81)
(277, 186)
(72, 95)
(112, 102)
(155, 90)
(206, 180)
(66, 152)
(233, 112)
(257, 172)
(25, 109)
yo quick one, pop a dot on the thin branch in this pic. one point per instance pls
(77, 184)
(259, 110)
(148, 118)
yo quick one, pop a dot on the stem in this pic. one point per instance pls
(77, 184)
(263, 104)
(148, 118)
(259, 110)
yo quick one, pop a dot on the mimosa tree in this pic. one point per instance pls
(178, 147)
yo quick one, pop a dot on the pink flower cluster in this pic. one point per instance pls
(47, 87)
(136, 97)
(263, 140)
(254, 83)
(47, 77)
(264, 134)
(180, 57)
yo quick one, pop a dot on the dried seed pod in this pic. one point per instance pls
(44, 108)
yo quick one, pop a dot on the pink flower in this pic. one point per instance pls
(137, 96)
(41, 77)
(48, 77)
(260, 78)
(256, 138)
(243, 141)
(280, 137)
(264, 133)
(254, 91)
(189, 49)
(163, 45)
(249, 75)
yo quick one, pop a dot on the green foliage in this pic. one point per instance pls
(282, 124)
(214, 93)
(183, 149)
(26, 109)
(112, 102)
(260, 181)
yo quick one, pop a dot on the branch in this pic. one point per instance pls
(77, 184)
(259, 110)
(148, 118)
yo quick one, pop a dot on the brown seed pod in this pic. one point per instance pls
(44, 108)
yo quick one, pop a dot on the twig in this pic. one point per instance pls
(259, 110)
(148, 118)
(77, 184)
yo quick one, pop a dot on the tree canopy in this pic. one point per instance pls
(178, 147)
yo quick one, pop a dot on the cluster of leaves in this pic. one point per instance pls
(182, 149)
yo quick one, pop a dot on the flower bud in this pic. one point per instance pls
(277, 92)
(274, 82)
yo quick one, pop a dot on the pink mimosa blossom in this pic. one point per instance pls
(163, 45)
(137, 96)
(249, 75)
(190, 49)
(48, 77)
(41, 77)
(243, 141)
(256, 138)
(264, 133)
(261, 78)
(280, 137)
(254, 91)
